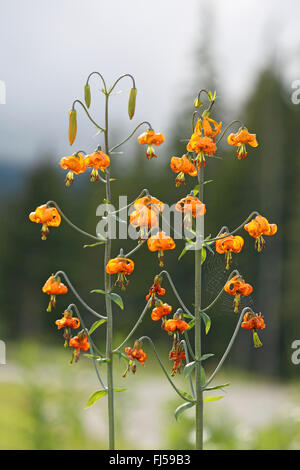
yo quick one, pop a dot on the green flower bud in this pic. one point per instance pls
(87, 95)
(72, 125)
(131, 102)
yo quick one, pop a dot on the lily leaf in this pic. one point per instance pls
(98, 291)
(217, 387)
(182, 408)
(203, 255)
(208, 399)
(207, 321)
(95, 325)
(94, 244)
(186, 395)
(191, 324)
(117, 299)
(203, 378)
(205, 356)
(95, 397)
(120, 389)
(189, 368)
(122, 356)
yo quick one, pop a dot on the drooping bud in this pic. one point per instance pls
(198, 102)
(131, 102)
(87, 95)
(72, 125)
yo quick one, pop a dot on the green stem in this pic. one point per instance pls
(198, 284)
(109, 323)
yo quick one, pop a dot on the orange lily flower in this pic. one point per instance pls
(150, 138)
(178, 356)
(79, 343)
(47, 216)
(176, 325)
(237, 287)
(135, 354)
(144, 219)
(73, 163)
(155, 289)
(53, 287)
(183, 166)
(254, 322)
(259, 227)
(160, 242)
(122, 267)
(161, 311)
(97, 160)
(208, 130)
(228, 245)
(68, 322)
(201, 145)
(191, 206)
(240, 140)
(150, 202)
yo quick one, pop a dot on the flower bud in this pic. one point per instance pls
(131, 102)
(87, 95)
(72, 125)
(197, 102)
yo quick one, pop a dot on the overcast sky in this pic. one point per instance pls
(48, 47)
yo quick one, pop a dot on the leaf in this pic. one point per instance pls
(181, 409)
(95, 397)
(217, 387)
(95, 325)
(106, 202)
(117, 299)
(205, 356)
(191, 324)
(94, 244)
(185, 249)
(93, 356)
(208, 399)
(208, 181)
(203, 255)
(120, 389)
(186, 395)
(189, 368)
(188, 315)
(207, 321)
(196, 190)
(98, 291)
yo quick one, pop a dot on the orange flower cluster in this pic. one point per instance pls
(191, 207)
(176, 325)
(122, 267)
(77, 164)
(68, 322)
(240, 140)
(204, 144)
(259, 227)
(160, 312)
(53, 287)
(145, 215)
(135, 354)
(161, 242)
(47, 216)
(150, 138)
(254, 322)
(79, 343)
(228, 245)
(183, 166)
(237, 287)
(178, 356)
(154, 290)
